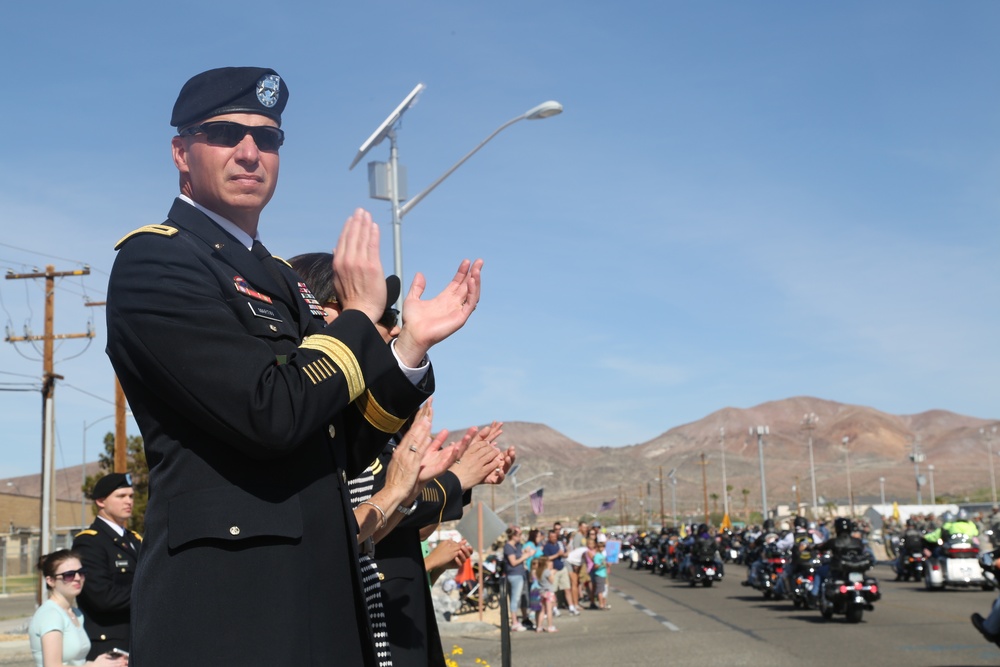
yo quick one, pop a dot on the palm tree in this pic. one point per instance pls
(746, 506)
(715, 502)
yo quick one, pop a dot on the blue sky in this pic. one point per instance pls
(742, 202)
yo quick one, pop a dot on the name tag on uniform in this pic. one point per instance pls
(261, 310)
(121, 563)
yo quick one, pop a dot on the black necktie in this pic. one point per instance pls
(260, 252)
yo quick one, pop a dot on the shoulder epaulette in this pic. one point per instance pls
(136, 535)
(87, 532)
(283, 261)
(162, 230)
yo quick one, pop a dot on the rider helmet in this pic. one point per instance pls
(769, 525)
(842, 525)
(801, 522)
(962, 514)
(947, 517)
(702, 528)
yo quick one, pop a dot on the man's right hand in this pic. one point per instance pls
(358, 280)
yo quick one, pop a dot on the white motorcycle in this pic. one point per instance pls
(955, 564)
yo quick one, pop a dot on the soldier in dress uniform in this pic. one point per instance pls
(108, 552)
(254, 412)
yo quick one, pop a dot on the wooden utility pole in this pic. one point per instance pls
(48, 502)
(121, 442)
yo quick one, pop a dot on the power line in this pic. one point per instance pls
(42, 254)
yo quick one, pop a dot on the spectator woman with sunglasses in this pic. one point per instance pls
(56, 633)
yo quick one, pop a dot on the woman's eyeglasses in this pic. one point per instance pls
(389, 318)
(70, 575)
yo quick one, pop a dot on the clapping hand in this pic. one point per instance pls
(428, 322)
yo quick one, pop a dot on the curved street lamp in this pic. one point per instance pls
(384, 183)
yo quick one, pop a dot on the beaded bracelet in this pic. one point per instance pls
(380, 511)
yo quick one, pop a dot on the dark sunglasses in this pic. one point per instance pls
(230, 134)
(389, 318)
(70, 575)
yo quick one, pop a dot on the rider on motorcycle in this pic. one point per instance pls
(756, 550)
(952, 525)
(911, 542)
(842, 547)
(800, 542)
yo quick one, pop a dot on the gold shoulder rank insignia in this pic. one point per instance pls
(162, 230)
(283, 261)
(87, 532)
(136, 535)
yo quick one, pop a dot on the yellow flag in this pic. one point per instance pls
(895, 510)
(683, 532)
(726, 523)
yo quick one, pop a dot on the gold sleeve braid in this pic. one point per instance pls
(377, 416)
(342, 358)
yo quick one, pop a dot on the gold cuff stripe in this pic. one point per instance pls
(162, 230)
(443, 502)
(377, 416)
(342, 358)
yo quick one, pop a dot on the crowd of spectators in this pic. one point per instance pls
(565, 571)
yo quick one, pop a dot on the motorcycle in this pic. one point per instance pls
(955, 564)
(799, 583)
(773, 562)
(911, 567)
(704, 571)
(848, 591)
(630, 555)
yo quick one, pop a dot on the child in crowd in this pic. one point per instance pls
(599, 574)
(545, 575)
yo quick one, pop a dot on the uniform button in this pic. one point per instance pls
(272, 327)
(104, 638)
(381, 577)
(235, 530)
(332, 431)
(123, 569)
(219, 246)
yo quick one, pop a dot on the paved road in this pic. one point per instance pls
(657, 621)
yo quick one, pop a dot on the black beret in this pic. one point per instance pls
(225, 90)
(110, 483)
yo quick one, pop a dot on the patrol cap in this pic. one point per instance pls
(225, 90)
(110, 483)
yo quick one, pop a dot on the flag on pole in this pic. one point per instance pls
(536, 501)
(606, 506)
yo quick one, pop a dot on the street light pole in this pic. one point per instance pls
(725, 487)
(517, 499)
(988, 436)
(761, 431)
(930, 469)
(390, 189)
(847, 459)
(672, 476)
(881, 490)
(917, 457)
(809, 424)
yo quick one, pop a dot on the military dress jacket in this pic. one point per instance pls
(253, 416)
(413, 633)
(110, 560)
